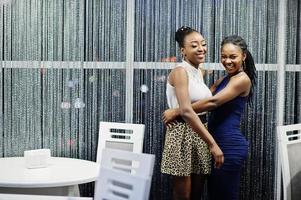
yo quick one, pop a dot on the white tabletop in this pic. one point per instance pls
(39, 197)
(60, 172)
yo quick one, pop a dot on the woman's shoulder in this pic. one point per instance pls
(178, 69)
(177, 74)
(241, 77)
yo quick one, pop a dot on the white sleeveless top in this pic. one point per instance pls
(196, 87)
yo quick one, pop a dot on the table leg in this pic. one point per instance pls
(72, 190)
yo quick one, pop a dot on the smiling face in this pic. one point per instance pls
(195, 48)
(232, 58)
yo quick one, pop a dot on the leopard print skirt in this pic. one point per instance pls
(184, 152)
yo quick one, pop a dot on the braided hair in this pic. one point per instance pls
(248, 64)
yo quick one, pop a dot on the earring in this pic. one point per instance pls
(183, 56)
(243, 64)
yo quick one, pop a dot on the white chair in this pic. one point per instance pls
(124, 175)
(123, 136)
(290, 157)
(39, 197)
(118, 185)
(139, 164)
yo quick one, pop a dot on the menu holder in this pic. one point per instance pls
(38, 158)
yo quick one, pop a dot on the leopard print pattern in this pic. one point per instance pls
(184, 152)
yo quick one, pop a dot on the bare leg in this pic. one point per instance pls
(197, 186)
(181, 187)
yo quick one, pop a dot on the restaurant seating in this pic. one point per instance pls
(122, 136)
(289, 142)
(140, 164)
(124, 175)
(118, 185)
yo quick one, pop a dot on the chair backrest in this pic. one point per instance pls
(39, 197)
(139, 164)
(118, 185)
(123, 136)
(289, 140)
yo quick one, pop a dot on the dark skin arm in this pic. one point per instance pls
(239, 85)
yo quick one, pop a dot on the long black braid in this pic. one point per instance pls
(248, 64)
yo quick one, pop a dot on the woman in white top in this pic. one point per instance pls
(188, 144)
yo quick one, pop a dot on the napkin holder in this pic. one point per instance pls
(38, 158)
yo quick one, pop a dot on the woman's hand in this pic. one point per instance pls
(218, 155)
(169, 116)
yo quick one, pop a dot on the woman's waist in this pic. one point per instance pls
(202, 116)
(229, 139)
(224, 125)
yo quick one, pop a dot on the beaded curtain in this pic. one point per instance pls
(293, 77)
(63, 71)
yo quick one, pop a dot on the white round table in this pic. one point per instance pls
(61, 177)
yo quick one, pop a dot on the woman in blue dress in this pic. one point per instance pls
(230, 95)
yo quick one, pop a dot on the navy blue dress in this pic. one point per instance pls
(224, 125)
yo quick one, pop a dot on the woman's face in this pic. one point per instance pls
(232, 58)
(195, 48)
